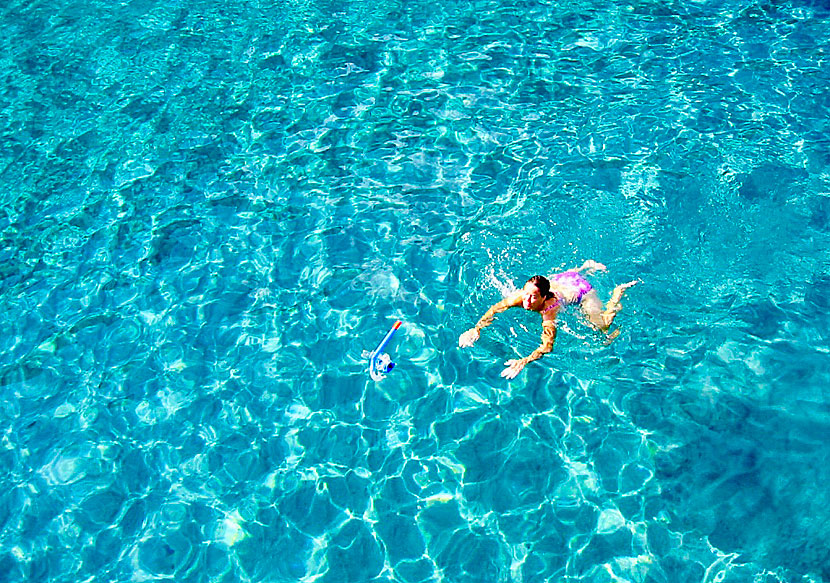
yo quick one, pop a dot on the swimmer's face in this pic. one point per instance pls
(531, 297)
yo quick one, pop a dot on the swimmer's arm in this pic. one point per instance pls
(469, 337)
(546, 346)
(514, 367)
(497, 308)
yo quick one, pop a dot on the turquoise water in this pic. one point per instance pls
(209, 210)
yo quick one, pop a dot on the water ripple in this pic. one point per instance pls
(209, 214)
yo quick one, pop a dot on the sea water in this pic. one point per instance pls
(209, 210)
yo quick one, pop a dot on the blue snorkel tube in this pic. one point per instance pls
(380, 364)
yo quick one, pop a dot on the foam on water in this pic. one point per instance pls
(209, 212)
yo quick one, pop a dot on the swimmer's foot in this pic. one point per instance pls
(618, 292)
(611, 336)
(614, 306)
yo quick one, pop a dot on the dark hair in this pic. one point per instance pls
(542, 283)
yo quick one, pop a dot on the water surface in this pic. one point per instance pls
(209, 211)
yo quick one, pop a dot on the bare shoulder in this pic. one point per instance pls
(514, 299)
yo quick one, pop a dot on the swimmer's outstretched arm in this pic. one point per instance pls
(469, 337)
(514, 367)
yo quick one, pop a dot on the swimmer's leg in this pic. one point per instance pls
(592, 308)
(602, 318)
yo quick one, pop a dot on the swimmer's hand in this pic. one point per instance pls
(468, 338)
(514, 367)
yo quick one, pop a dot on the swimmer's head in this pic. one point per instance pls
(535, 292)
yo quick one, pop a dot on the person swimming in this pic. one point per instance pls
(548, 296)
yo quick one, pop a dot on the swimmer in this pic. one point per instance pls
(547, 297)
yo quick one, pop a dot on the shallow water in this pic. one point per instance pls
(209, 211)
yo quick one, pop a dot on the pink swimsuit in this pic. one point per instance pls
(576, 285)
